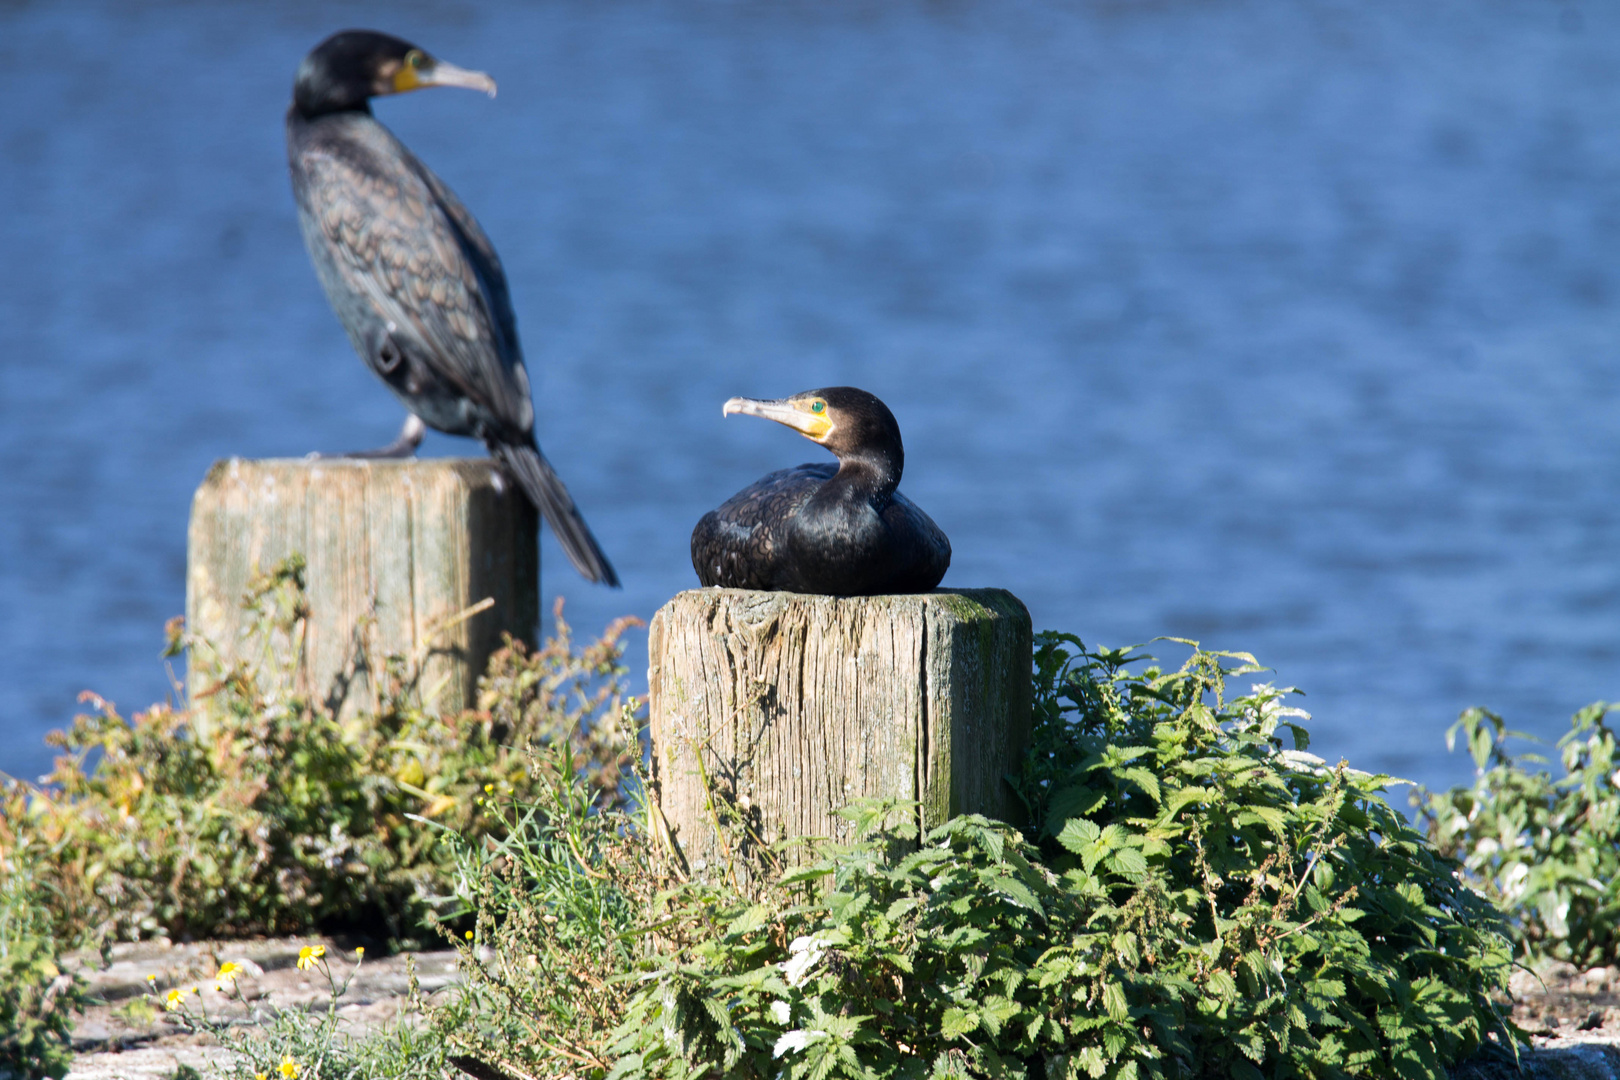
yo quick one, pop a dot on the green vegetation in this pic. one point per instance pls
(1546, 850)
(259, 810)
(1189, 899)
(37, 1000)
(567, 904)
(1192, 894)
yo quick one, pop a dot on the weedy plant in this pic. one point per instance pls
(258, 810)
(1545, 849)
(37, 1000)
(1189, 898)
(308, 1043)
(560, 899)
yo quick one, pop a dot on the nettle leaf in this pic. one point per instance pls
(1221, 985)
(1079, 835)
(901, 908)
(805, 874)
(1128, 863)
(1017, 892)
(754, 917)
(1113, 999)
(846, 907)
(1269, 815)
(995, 1012)
(994, 844)
(957, 1022)
(1143, 779)
(1075, 800)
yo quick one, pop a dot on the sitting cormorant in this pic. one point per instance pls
(412, 277)
(840, 530)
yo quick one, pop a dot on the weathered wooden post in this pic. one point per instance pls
(397, 548)
(794, 705)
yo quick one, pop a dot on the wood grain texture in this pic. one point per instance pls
(394, 549)
(794, 705)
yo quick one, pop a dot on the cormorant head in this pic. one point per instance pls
(851, 423)
(352, 66)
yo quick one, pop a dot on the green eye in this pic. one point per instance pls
(416, 58)
(818, 406)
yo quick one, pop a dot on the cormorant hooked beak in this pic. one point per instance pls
(806, 415)
(420, 71)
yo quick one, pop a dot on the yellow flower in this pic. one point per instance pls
(260, 1076)
(306, 960)
(227, 974)
(289, 1068)
(489, 789)
(359, 951)
(151, 978)
(176, 996)
(469, 935)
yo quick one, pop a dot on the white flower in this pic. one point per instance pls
(806, 954)
(796, 1040)
(1515, 882)
(780, 1012)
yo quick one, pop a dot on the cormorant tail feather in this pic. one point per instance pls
(546, 490)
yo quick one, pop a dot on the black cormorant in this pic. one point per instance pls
(412, 277)
(840, 530)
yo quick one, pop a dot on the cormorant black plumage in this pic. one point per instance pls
(839, 530)
(410, 273)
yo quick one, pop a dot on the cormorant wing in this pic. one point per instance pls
(742, 544)
(482, 255)
(398, 244)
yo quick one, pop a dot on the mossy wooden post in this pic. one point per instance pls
(794, 705)
(394, 550)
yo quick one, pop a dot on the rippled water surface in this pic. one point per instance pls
(1290, 327)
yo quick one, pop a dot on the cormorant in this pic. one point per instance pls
(839, 530)
(412, 277)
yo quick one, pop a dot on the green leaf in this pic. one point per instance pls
(1143, 779)
(752, 918)
(1079, 834)
(1017, 892)
(1075, 800)
(1113, 999)
(957, 1022)
(1270, 815)
(1128, 863)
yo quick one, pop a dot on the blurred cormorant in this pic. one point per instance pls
(840, 530)
(412, 277)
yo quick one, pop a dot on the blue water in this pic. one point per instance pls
(1290, 327)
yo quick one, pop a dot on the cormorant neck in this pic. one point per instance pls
(315, 95)
(870, 472)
